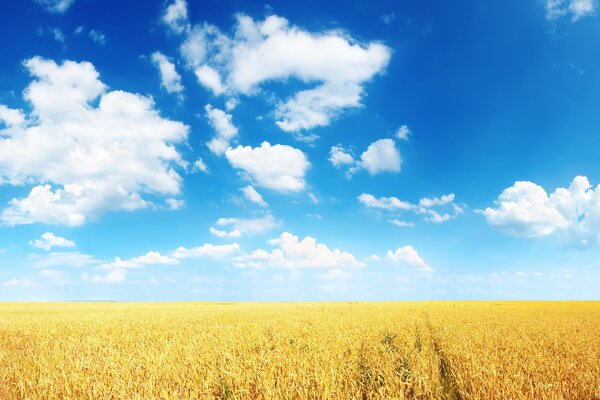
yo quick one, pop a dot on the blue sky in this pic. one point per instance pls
(229, 150)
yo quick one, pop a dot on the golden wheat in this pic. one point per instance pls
(423, 350)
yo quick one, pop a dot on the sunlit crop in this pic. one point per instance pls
(425, 350)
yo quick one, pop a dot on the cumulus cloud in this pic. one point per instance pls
(241, 227)
(49, 240)
(86, 150)
(278, 167)
(176, 16)
(253, 196)
(409, 256)
(169, 78)
(435, 210)
(381, 156)
(270, 50)
(220, 121)
(576, 9)
(339, 157)
(291, 252)
(526, 209)
(56, 6)
(403, 133)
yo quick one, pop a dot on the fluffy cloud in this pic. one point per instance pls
(381, 156)
(278, 167)
(339, 157)
(207, 250)
(240, 227)
(386, 203)
(273, 50)
(169, 78)
(409, 256)
(176, 16)
(209, 78)
(84, 158)
(55, 6)
(49, 240)
(252, 195)
(525, 209)
(221, 123)
(295, 253)
(576, 9)
(403, 133)
(150, 258)
(436, 210)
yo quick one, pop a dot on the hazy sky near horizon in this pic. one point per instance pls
(232, 150)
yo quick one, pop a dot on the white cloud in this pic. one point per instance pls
(18, 283)
(73, 259)
(278, 167)
(97, 37)
(85, 159)
(207, 250)
(55, 6)
(424, 207)
(403, 133)
(295, 253)
(49, 240)
(273, 50)
(381, 156)
(409, 256)
(170, 79)
(577, 9)
(339, 157)
(241, 227)
(221, 123)
(252, 195)
(51, 273)
(525, 209)
(400, 223)
(10, 117)
(150, 258)
(112, 276)
(199, 165)
(176, 16)
(386, 203)
(209, 78)
(175, 204)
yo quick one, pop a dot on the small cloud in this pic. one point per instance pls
(49, 240)
(252, 195)
(387, 18)
(97, 37)
(403, 133)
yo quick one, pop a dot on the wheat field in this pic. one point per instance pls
(407, 350)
